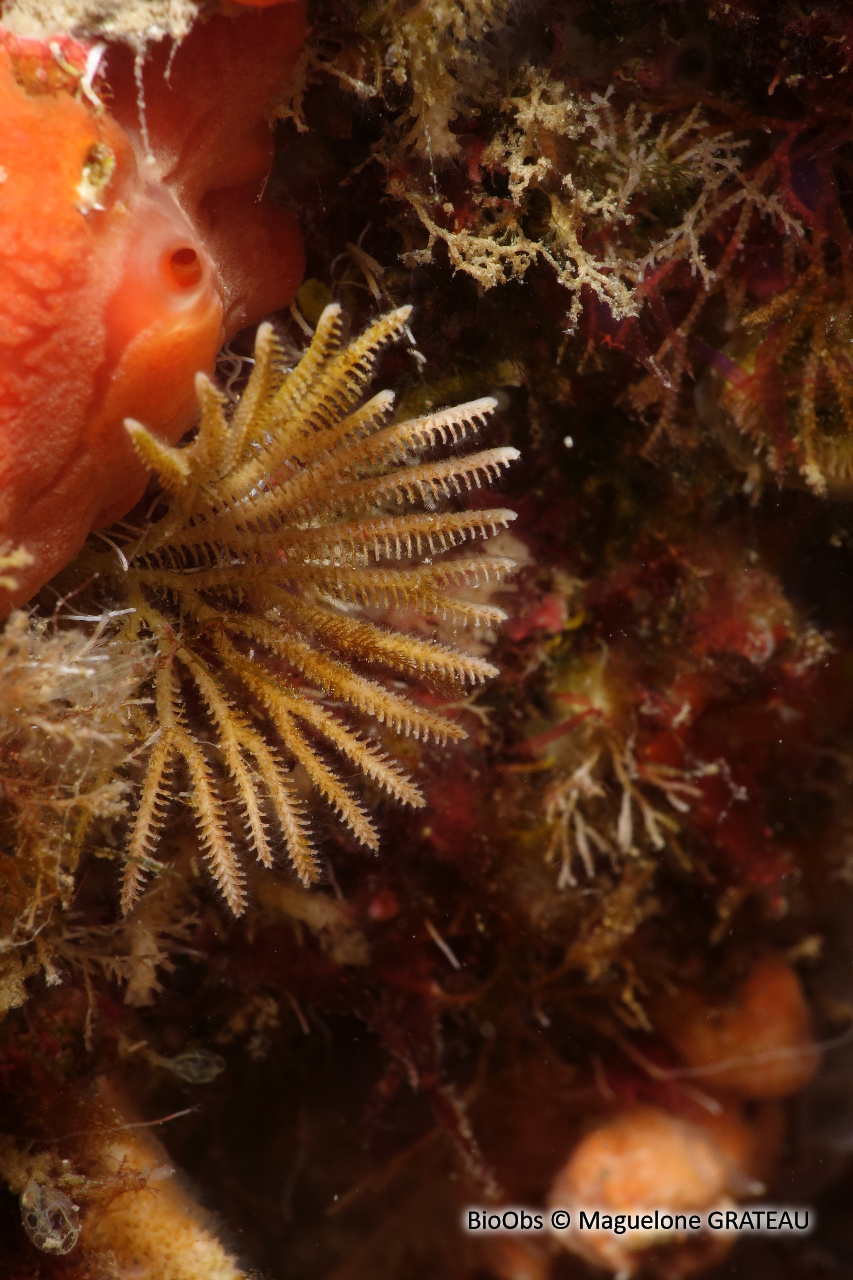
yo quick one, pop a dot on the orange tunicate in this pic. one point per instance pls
(200, 128)
(95, 325)
(757, 1044)
(134, 243)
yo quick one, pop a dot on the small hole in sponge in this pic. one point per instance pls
(184, 267)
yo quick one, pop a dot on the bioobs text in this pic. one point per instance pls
(760, 1218)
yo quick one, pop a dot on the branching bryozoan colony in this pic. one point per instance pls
(280, 534)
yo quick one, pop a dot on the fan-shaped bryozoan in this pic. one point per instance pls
(279, 541)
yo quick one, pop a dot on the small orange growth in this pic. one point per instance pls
(640, 1160)
(758, 1044)
(642, 1157)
